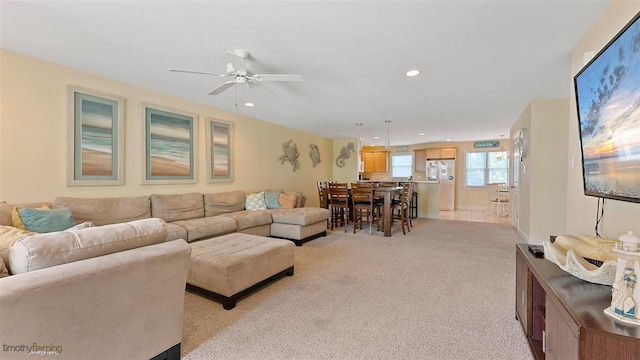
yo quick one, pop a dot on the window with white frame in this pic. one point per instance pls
(401, 165)
(486, 167)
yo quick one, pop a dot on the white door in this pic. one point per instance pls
(515, 181)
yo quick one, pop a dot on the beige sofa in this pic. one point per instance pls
(108, 292)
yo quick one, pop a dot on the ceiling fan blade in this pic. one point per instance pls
(269, 90)
(197, 72)
(238, 62)
(277, 77)
(222, 87)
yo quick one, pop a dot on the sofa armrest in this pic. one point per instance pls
(125, 305)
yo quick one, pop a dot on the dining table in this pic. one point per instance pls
(387, 193)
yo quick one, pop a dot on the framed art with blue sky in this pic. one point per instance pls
(220, 143)
(95, 138)
(169, 140)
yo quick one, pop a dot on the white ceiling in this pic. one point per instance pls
(482, 62)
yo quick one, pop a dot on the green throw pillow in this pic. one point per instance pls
(44, 221)
(271, 198)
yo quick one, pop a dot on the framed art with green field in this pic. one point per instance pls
(220, 143)
(169, 145)
(95, 138)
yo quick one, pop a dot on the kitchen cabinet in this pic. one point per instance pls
(375, 161)
(441, 153)
(420, 160)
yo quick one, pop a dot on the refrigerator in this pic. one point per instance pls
(444, 172)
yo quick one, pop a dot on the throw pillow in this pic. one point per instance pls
(3, 269)
(84, 225)
(255, 202)
(288, 201)
(9, 235)
(17, 220)
(44, 221)
(272, 200)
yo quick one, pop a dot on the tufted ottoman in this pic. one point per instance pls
(227, 266)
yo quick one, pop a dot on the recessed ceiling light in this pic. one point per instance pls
(421, 134)
(249, 104)
(447, 140)
(413, 73)
(376, 137)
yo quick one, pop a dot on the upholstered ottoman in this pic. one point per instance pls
(299, 224)
(226, 266)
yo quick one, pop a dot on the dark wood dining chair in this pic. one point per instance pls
(323, 194)
(364, 204)
(339, 204)
(403, 206)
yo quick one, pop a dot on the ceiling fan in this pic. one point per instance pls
(237, 69)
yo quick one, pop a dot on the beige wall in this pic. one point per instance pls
(542, 173)
(620, 216)
(33, 139)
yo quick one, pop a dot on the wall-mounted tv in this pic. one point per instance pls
(608, 100)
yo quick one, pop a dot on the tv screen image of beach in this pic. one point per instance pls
(608, 100)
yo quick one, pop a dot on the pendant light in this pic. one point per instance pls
(359, 145)
(387, 141)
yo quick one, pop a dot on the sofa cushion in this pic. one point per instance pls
(207, 227)
(176, 207)
(47, 220)
(249, 219)
(6, 210)
(175, 232)
(224, 202)
(45, 250)
(103, 211)
(255, 202)
(300, 216)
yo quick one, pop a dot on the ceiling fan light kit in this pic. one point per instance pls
(237, 69)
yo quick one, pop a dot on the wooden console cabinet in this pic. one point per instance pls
(562, 316)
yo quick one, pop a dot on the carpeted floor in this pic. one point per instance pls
(444, 291)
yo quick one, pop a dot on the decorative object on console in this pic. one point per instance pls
(345, 153)
(291, 154)
(570, 254)
(625, 295)
(95, 138)
(219, 150)
(170, 151)
(314, 154)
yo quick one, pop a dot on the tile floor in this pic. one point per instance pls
(473, 215)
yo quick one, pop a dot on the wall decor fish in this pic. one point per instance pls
(314, 154)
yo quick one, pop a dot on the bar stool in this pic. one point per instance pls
(364, 204)
(339, 204)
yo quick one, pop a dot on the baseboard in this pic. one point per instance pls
(473, 207)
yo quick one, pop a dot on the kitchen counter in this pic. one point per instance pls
(428, 199)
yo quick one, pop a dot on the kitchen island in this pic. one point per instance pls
(428, 198)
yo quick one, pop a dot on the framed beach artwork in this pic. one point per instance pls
(95, 138)
(219, 150)
(170, 151)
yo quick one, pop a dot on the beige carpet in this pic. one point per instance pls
(444, 291)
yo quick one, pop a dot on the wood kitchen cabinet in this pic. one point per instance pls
(375, 161)
(563, 316)
(440, 153)
(420, 160)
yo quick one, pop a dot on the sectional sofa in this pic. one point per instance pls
(132, 268)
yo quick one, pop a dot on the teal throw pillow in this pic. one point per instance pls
(272, 200)
(44, 221)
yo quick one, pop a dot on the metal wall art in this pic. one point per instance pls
(291, 154)
(345, 153)
(314, 154)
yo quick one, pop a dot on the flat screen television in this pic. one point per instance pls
(608, 100)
